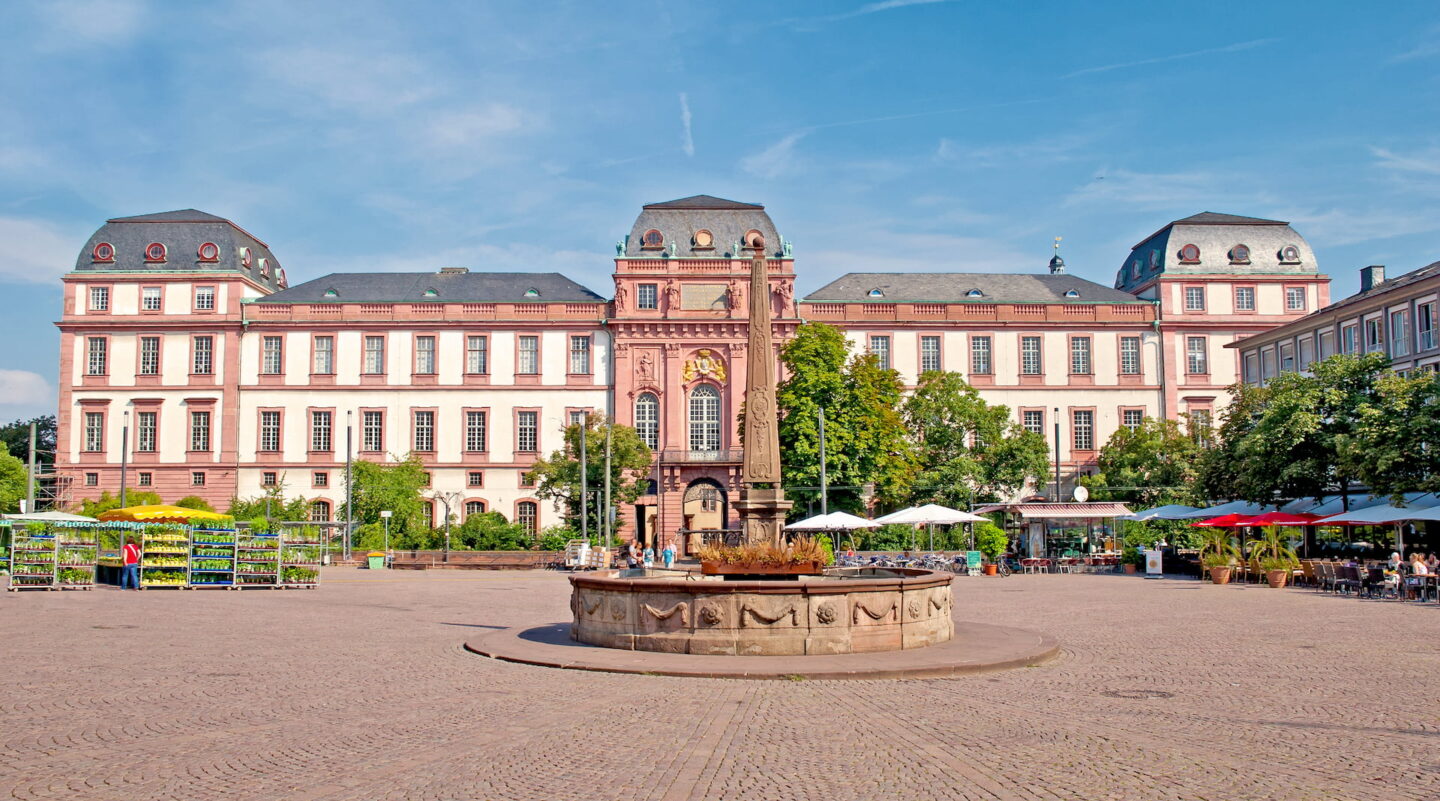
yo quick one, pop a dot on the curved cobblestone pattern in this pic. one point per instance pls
(364, 692)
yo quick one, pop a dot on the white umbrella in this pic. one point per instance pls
(49, 517)
(835, 521)
(1172, 511)
(930, 514)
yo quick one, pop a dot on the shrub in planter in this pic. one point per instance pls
(991, 541)
(1132, 559)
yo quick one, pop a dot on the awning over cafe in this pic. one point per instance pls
(1059, 511)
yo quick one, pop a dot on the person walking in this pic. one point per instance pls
(649, 556)
(130, 566)
(668, 554)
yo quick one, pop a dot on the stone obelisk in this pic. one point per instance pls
(762, 505)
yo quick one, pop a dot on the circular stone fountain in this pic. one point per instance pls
(844, 611)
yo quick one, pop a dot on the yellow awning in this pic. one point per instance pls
(161, 513)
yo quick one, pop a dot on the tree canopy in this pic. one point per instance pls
(394, 486)
(557, 478)
(1153, 464)
(16, 437)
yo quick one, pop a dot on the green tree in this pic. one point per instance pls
(192, 502)
(557, 478)
(1220, 468)
(969, 451)
(16, 437)
(395, 487)
(13, 476)
(271, 505)
(490, 531)
(1394, 444)
(1152, 464)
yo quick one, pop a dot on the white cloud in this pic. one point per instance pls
(1048, 150)
(36, 252)
(688, 140)
(774, 161)
(868, 8)
(468, 127)
(1169, 190)
(1337, 227)
(1426, 163)
(1428, 48)
(1230, 48)
(357, 78)
(81, 22)
(23, 393)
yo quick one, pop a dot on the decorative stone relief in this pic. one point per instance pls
(590, 610)
(682, 609)
(617, 610)
(704, 364)
(914, 608)
(825, 614)
(711, 615)
(892, 610)
(767, 619)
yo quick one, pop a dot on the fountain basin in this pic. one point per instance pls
(843, 611)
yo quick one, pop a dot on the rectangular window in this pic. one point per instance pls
(1244, 298)
(150, 298)
(203, 351)
(1083, 430)
(205, 298)
(1196, 358)
(529, 363)
(199, 431)
(1327, 344)
(1080, 356)
(372, 431)
(527, 479)
(1200, 427)
(269, 431)
(95, 361)
(320, 479)
(477, 355)
(324, 355)
(929, 354)
(322, 426)
(580, 355)
(269, 478)
(424, 355)
(1399, 333)
(1251, 374)
(475, 478)
(980, 362)
(1132, 418)
(99, 298)
(1030, 363)
(1295, 298)
(577, 417)
(1287, 357)
(475, 434)
(1425, 325)
(425, 432)
(880, 347)
(527, 432)
(273, 359)
(94, 431)
(145, 428)
(1194, 298)
(1349, 336)
(525, 515)
(375, 355)
(1307, 352)
(1130, 355)
(92, 479)
(146, 479)
(647, 296)
(149, 355)
(197, 478)
(1374, 334)
(1033, 421)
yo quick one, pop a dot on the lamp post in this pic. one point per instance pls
(1057, 454)
(584, 484)
(349, 483)
(124, 448)
(824, 502)
(385, 515)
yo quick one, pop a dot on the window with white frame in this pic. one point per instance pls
(1194, 298)
(269, 478)
(99, 298)
(529, 356)
(980, 356)
(1425, 325)
(270, 431)
(94, 431)
(146, 479)
(527, 514)
(1349, 338)
(1399, 333)
(1245, 298)
(203, 353)
(324, 355)
(197, 478)
(1132, 418)
(929, 354)
(1083, 430)
(205, 298)
(319, 511)
(425, 355)
(705, 418)
(1250, 372)
(476, 440)
(272, 360)
(474, 508)
(1295, 298)
(1307, 352)
(1030, 363)
(1197, 360)
(374, 355)
(1327, 344)
(1033, 420)
(424, 431)
(149, 355)
(150, 299)
(527, 432)
(475, 478)
(92, 479)
(95, 355)
(1200, 427)
(320, 478)
(880, 347)
(477, 354)
(647, 296)
(577, 417)
(1287, 357)
(199, 431)
(322, 426)
(1374, 334)
(579, 355)
(372, 431)
(1080, 356)
(146, 424)
(647, 419)
(1130, 355)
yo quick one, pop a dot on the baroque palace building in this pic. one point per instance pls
(182, 329)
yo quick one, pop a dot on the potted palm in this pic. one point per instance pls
(1272, 551)
(990, 540)
(1217, 554)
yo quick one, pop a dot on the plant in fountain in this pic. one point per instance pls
(1272, 552)
(1217, 554)
(803, 555)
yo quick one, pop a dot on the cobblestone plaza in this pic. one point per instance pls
(1164, 689)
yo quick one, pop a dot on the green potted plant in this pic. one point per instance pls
(1272, 551)
(1217, 554)
(990, 540)
(1131, 559)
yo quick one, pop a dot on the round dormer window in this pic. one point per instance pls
(532, 292)
(877, 293)
(974, 293)
(704, 240)
(1154, 259)
(284, 282)
(264, 267)
(154, 252)
(332, 293)
(1290, 254)
(104, 251)
(652, 240)
(1190, 253)
(431, 293)
(209, 252)
(1240, 254)
(754, 240)
(246, 259)
(1135, 268)
(1070, 293)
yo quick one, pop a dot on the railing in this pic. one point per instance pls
(724, 455)
(1427, 339)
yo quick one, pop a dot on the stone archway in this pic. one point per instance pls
(703, 507)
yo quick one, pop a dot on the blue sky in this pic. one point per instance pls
(899, 135)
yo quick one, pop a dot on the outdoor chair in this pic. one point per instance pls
(1307, 571)
(1347, 579)
(1324, 576)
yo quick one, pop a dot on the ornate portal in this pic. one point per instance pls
(703, 365)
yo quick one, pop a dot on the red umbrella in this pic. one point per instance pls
(1231, 520)
(1279, 519)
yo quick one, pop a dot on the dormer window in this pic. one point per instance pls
(1289, 255)
(246, 259)
(431, 293)
(332, 293)
(1070, 293)
(154, 252)
(1154, 259)
(877, 293)
(704, 240)
(1190, 254)
(103, 251)
(754, 240)
(264, 267)
(652, 240)
(974, 293)
(1135, 268)
(209, 252)
(283, 281)
(1240, 254)
(532, 292)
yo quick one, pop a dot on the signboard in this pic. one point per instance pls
(1153, 564)
(703, 297)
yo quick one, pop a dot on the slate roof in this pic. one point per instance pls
(182, 232)
(1216, 218)
(678, 220)
(1389, 285)
(709, 202)
(451, 287)
(180, 215)
(955, 288)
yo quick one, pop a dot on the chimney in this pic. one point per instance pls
(1371, 277)
(454, 270)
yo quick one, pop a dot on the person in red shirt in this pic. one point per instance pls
(130, 566)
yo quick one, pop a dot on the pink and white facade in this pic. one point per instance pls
(181, 326)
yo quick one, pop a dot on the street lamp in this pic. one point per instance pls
(385, 515)
(124, 442)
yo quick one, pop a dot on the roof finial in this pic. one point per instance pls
(1057, 264)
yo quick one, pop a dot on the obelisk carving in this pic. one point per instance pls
(762, 504)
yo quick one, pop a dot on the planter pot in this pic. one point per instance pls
(991, 570)
(1220, 575)
(803, 569)
(1129, 569)
(1277, 577)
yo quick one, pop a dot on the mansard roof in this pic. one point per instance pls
(680, 222)
(957, 288)
(452, 286)
(709, 202)
(182, 232)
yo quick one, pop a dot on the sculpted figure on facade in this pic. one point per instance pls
(645, 369)
(672, 295)
(620, 294)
